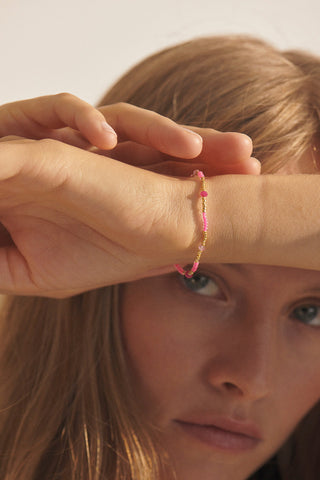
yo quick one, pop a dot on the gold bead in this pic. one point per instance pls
(205, 234)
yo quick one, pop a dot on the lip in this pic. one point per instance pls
(222, 433)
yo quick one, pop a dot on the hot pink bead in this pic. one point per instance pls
(194, 266)
(205, 222)
(203, 193)
(180, 269)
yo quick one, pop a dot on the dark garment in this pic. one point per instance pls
(269, 471)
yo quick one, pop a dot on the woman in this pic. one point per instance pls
(134, 381)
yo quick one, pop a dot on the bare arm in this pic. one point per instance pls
(72, 220)
(267, 219)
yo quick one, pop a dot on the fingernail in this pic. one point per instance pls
(107, 128)
(195, 135)
(256, 163)
(247, 139)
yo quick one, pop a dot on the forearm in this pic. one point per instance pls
(268, 219)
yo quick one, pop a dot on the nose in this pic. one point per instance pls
(244, 359)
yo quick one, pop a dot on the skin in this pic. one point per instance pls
(66, 213)
(239, 346)
(238, 351)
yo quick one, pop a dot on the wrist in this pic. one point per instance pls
(234, 212)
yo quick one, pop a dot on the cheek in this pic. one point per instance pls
(167, 350)
(162, 356)
(305, 388)
(296, 392)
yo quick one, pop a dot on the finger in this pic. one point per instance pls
(15, 273)
(184, 169)
(153, 130)
(229, 147)
(135, 154)
(72, 137)
(227, 153)
(222, 152)
(15, 138)
(146, 157)
(174, 168)
(250, 166)
(5, 237)
(35, 118)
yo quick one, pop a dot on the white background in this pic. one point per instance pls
(83, 46)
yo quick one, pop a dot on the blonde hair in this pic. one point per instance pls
(232, 83)
(67, 410)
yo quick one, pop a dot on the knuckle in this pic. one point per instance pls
(65, 97)
(118, 108)
(120, 105)
(113, 112)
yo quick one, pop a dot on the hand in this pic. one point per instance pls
(66, 118)
(62, 117)
(76, 221)
(146, 138)
(156, 147)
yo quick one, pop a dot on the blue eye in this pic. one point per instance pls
(201, 284)
(308, 314)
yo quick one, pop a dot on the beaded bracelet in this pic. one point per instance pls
(203, 195)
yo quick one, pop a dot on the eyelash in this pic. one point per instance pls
(210, 283)
(305, 306)
(207, 280)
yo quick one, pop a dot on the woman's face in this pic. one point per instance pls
(236, 342)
